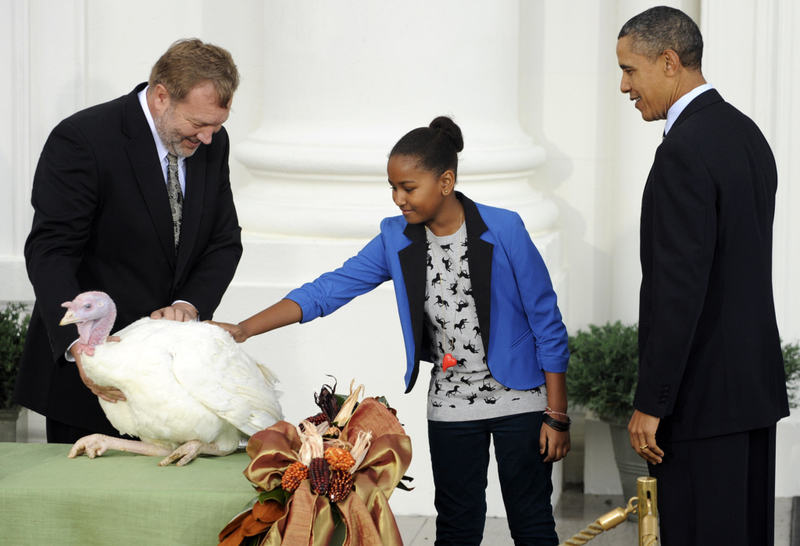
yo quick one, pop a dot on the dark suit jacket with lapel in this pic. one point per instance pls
(520, 323)
(102, 221)
(710, 355)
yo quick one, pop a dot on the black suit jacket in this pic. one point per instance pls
(710, 355)
(102, 221)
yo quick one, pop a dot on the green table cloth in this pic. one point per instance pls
(119, 498)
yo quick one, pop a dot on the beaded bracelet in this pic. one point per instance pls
(559, 426)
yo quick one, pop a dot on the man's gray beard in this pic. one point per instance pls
(173, 146)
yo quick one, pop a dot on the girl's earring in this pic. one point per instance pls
(446, 192)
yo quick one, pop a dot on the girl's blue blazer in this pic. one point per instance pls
(520, 324)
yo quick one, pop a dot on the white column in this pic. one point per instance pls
(637, 141)
(44, 80)
(342, 83)
(630, 143)
(761, 80)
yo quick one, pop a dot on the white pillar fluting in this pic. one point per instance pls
(761, 83)
(342, 83)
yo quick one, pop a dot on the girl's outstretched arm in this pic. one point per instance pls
(552, 443)
(281, 314)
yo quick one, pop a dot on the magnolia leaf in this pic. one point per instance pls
(277, 494)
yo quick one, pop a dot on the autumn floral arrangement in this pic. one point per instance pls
(326, 480)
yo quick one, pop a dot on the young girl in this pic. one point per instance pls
(475, 299)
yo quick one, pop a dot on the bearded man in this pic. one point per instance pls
(131, 197)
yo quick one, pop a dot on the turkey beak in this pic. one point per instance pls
(69, 318)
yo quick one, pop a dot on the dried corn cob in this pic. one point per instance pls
(341, 485)
(339, 459)
(317, 419)
(296, 473)
(319, 475)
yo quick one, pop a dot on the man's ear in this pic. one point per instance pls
(671, 62)
(161, 98)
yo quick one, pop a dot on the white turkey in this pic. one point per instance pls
(189, 388)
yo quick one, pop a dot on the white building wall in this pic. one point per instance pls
(595, 151)
(761, 80)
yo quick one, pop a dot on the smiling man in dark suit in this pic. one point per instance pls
(711, 381)
(131, 197)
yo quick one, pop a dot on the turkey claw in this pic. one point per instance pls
(92, 446)
(183, 454)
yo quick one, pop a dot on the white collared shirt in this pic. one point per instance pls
(676, 109)
(162, 150)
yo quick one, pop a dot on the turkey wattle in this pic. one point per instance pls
(189, 388)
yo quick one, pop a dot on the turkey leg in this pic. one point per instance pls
(95, 445)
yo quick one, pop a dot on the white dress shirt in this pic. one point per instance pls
(680, 104)
(162, 150)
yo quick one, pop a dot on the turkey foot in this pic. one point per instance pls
(190, 450)
(95, 445)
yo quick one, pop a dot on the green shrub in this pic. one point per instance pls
(13, 328)
(604, 366)
(791, 363)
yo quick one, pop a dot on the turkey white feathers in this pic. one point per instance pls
(184, 383)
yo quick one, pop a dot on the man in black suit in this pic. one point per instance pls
(133, 198)
(711, 380)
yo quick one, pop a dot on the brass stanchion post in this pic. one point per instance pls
(647, 507)
(648, 511)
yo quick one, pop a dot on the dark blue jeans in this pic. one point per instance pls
(460, 459)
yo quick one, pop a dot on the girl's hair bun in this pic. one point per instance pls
(446, 125)
(436, 147)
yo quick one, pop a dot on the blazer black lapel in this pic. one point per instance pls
(480, 266)
(142, 152)
(412, 262)
(702, 100)
(192, 206)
